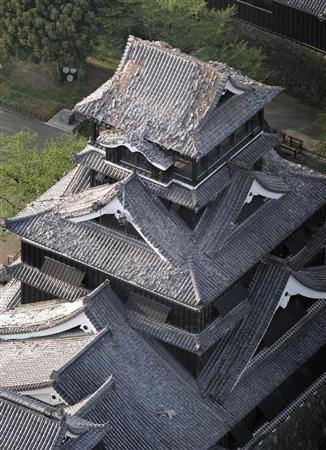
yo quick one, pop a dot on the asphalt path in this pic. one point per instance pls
(12, 122)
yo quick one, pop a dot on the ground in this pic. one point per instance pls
(12, 122)
(292, 116)
(9, 247)
(34, 89)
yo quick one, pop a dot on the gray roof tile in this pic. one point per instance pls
(164, 96)
(24, 424)
(28, 364)
(10, 295)
(40, 280)
(193, 198)
(29, 424)
(192, 342)
(139, 417)
(39, 316)
(223, 369)
(152, 152)
(314, 7)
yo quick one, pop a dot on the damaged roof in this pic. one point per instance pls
(161, 95)
(27, 364)
(171, 260)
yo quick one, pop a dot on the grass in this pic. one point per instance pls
(33, 89)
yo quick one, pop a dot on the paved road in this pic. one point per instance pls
(12, 122)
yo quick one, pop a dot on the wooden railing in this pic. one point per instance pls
(292, 144)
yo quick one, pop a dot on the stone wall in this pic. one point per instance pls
(301, 70)
(306, 428)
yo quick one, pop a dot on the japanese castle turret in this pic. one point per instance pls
(171, 291)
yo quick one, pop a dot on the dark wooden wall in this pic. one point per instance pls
(281, 19)
(255, 14)
(220, 4)
(179, 316)
(299, 26)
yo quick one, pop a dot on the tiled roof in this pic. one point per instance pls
(28, 364)
(192, 342)
(272, 366)
(193, 198)
(164, 96)
(50, 196)
(163, 229)
(152, 406)
(315, 245)
(219, 219)
(153, 399)
(170, 263)
(27, 424)
(271, 182)
(87, 201)
(228, 117)
(224, 367)
(34, 277)
(312, 277)
(10, 295)
(39, 316)
(314, 7)
(152, 152)
(80, 181)
(254, 238)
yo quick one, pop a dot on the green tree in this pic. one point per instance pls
(58, 31)
(26, 171)
(185, 24)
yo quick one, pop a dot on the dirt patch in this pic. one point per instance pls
(9, 246)
(292, 116)
(36, 75)
(95, 76)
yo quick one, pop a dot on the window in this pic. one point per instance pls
(135, 160)
(213, 156)
(227, 143)
(241, 132)
(183, 168)
(257, 121)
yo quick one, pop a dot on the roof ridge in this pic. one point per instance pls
(168, 48)
(55, 413)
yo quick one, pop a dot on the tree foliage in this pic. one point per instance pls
(27, 171)
(48, 31)
(185, 24)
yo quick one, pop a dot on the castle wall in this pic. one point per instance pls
(301, 70)
(306, 429)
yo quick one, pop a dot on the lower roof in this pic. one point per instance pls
(39, 316)
(28, 364)
(172, 261)
(93, 158)
(26, 423)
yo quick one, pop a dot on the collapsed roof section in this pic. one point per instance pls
(195, 198)
(166, 97)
